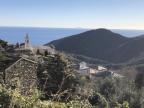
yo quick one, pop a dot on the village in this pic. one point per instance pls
(24, 68)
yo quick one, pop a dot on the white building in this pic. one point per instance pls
(101, 68)
(99, 71)
(83, 65)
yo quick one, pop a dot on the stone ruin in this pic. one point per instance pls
(23, 75)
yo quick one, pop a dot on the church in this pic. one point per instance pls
(28, 48)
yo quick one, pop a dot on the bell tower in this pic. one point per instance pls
(27, 42)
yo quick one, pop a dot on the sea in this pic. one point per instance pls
(41, 36)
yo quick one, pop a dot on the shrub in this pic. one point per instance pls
(139, 80)
(120, 90)
(125, 104)
(3, 43)
(98, 100)
(4, 97)
(13, 99)
(21, 101)
(78, 103)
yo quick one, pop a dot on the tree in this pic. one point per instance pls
(17, 45)
(139, 80)
(38, 52)
(98, 100)
(56, 76)
(45, 53)
(3, 43)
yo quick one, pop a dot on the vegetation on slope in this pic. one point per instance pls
(66, 89)
(61, 87)
(3, 43)
(3, 56)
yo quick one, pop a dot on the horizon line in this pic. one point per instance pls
(70, 27)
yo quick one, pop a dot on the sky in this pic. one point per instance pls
(113, 14)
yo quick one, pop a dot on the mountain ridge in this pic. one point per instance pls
(102, 44)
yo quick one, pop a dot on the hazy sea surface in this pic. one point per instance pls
(40, 36)
(37, 35)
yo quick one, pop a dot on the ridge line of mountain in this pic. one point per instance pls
(102, 44)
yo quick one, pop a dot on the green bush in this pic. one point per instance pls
(98, 100)
(21, 101)
(3, 43)
(125, 104)
(13, 99)
(4, 97)
(117, 90)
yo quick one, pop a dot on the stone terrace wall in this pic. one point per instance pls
(22, 74)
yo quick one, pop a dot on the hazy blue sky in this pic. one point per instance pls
(126, 14)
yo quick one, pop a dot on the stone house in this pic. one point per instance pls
(42, 49)
(22, 74)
